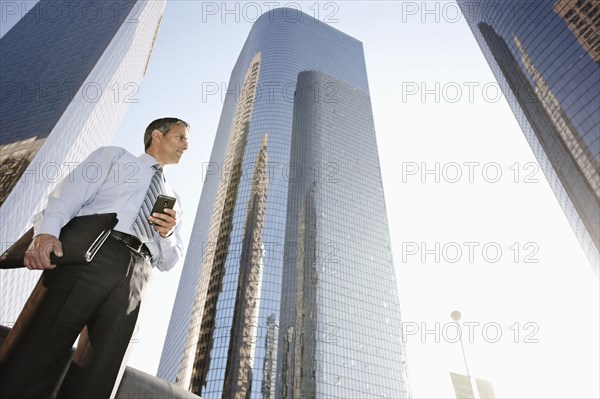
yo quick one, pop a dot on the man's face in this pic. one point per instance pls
(169, 147)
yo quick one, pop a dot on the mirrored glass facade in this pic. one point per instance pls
(546, 57)
(288, 288)
(68, 72)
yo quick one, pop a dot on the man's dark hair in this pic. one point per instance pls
(163, 125)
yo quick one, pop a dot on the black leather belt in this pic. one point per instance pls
(132, 243)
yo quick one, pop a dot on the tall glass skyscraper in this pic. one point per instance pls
(546, 57)
(68, 72)
(288, 289)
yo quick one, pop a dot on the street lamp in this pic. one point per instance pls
(456, 315)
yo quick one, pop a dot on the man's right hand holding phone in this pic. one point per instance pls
(164, 223)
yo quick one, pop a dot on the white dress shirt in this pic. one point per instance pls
(110, 180)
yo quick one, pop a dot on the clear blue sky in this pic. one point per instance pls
(435, 103)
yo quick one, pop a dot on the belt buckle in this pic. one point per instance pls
(128, 242)
(145, 254)
(137, 250)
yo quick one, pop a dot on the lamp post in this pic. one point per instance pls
(456, 315)
(478, 388)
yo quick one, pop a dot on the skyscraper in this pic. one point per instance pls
(68, 71)
(288, 288)
(544, 55)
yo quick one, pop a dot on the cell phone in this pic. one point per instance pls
(162, 202)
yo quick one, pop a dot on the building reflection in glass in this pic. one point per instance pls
(545, 57)
(202, 326)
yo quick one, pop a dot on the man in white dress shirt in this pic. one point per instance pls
(100, 299)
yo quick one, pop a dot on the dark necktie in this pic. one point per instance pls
(142, 228)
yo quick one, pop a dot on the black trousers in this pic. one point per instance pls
(100, 300)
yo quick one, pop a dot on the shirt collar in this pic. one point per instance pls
(148, 160)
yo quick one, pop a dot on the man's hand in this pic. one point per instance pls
(164, 223)
(37, 256)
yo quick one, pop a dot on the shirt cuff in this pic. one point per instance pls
(168, 248)
(170, 235)
(49, 225)
(170, 239)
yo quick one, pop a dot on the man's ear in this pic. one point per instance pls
(156, 135)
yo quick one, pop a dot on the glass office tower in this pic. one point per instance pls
(68, 72)
(545, 55)
(288, 288)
